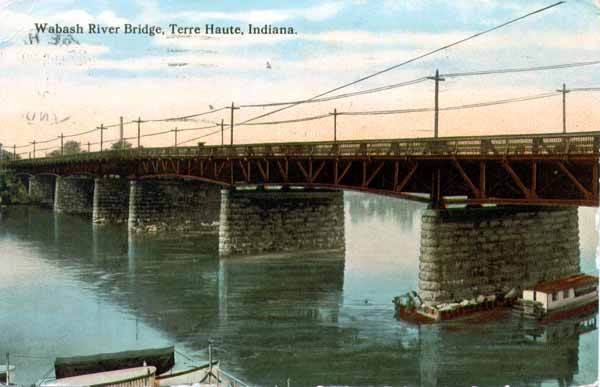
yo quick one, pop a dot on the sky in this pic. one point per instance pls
(52, 84)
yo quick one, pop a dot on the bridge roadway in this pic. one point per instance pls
(532, 169)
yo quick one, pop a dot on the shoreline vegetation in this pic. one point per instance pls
(12, 190)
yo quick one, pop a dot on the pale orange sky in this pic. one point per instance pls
(97, 81)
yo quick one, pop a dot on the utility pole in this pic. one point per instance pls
(222, 126)
(335, 124)
(564, 92)
(33, 148)
(121, 142)
(231, 122)
(88, 147)
(101, 136)
(62, 145)
(139, 122)
(437, 80)
(175, 130)
(14, 151)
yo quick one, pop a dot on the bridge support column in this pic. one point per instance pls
(484, 251)
(41, 189)
(74, 195)
(261, 222)
(111, 200)
(173, 205)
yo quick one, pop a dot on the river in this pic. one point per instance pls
(68, 287)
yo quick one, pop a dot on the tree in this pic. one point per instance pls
(121, 144)
(71, 147)
(6, 155)
(12, 190)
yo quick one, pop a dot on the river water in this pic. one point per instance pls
(70, 288)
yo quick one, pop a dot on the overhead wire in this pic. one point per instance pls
(414, 59)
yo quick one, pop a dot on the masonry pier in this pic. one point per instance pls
(111, 200)
(74, 195)
(482, 251)
(255, 222)
(173, 205)
(41, 189)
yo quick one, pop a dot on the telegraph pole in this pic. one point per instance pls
(222, 132)
(101, 136)
(14, 152)
(564, 92)
(335, 125)
(33, 148)
(231, 122)
(139, 122)
(122, 143)
(62, 145)
(175, 130)
(88, 147)
(437, 80)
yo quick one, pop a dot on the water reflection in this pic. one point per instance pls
(74, 288)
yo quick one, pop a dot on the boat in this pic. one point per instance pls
(163, 359)
(199, 374)
(560, 299)
(129, 377)
(6, 373)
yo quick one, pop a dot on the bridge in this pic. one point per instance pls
(519, 226)
(537, 169)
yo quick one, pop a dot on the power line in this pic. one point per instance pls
(520, 70)
(203, 136)
(183, 118)
(302, 119)
(338, 96)
(429, 53)
(459, 107)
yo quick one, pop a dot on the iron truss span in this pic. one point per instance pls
(540, 169)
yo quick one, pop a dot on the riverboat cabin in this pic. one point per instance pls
(566, 293)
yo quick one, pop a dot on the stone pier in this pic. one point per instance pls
(173, 205)
(468, 252)
(261, 222)
(111, 200)
(41, 189)
(74, 195)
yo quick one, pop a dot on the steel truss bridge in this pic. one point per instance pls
(535, 169)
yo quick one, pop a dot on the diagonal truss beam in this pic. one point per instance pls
(399, 186)
(466, 178)
(526, 191)
(586, 194)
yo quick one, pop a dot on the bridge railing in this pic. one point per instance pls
(583, 143)
(580, 143)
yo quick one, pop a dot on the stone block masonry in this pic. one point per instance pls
(174, 205)
(41, 189)
(468, 252)
(74, 195)
(111, 200)
(263, 222)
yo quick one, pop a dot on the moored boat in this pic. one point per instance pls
(163, 359)
(6, 371)
(194, 375)
(560, 299)
(130, 377)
